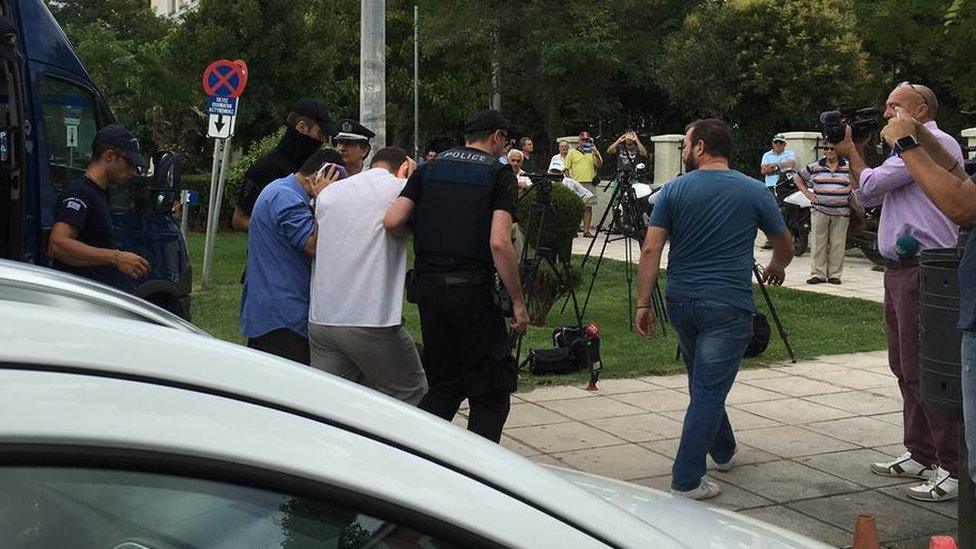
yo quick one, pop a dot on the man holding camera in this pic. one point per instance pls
(583, 164)
(462, 207)
(908, 214)
(630, 151)
(711, 215)
(942, 178)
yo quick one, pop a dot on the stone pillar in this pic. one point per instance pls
(805, 145)
(667, 157)
(969, 137)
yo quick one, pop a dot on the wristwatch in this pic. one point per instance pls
(905, 143)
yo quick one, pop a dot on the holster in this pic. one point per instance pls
(411, 287)
(501, 299)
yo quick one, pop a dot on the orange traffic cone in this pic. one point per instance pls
(942, 542)
(865, 533)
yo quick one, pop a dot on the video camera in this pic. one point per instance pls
(863, 122)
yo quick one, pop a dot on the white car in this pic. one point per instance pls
(120, 434)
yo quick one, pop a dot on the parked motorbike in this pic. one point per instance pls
(795, 208)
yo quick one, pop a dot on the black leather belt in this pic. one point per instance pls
(458, 278)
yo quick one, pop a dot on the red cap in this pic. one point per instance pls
(584, 136)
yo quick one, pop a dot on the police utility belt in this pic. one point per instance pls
(417, 283)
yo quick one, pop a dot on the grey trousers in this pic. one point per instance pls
(384, 359)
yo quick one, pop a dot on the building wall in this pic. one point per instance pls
(171, 7)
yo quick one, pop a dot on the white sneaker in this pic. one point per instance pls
(940, 487)
(724, 466)
(903, 466)
(707, 489)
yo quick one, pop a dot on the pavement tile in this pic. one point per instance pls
(639, 428)
(732, 497)
(785, 481)
(891, 450)
(758, 373)
(526, 414)
(746, 455)
(858, 360)
(863, 431)
(859, 402)
(811, 368)
(591, 408)
(740, 420)
(889, 514)
(663, 400)
(625, 462)
(546, 459)
(793, 411)
(802, 524)
(617, 386)
(679, 381)
(557, 392)
(896, 418)
(796, 386)
(853, 465)
(517, 447)
(947, 508)
(858, 379)
(792, 441)
(892, 391)
(562, 437)
(744, 392)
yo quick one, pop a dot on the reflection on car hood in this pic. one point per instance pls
(690, 522)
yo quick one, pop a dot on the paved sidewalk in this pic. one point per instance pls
(806, 433)
(859, 279)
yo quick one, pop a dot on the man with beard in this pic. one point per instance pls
(711, 215)
(307, 128)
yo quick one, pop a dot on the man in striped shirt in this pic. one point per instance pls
(828, 186)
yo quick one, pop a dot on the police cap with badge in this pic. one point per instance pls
(351, 130)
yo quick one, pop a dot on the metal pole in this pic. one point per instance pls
(372, 69)
(208, 244)
(416, 83)
(185, 212)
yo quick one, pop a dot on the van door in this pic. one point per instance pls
(12, 171)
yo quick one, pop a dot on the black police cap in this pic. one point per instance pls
(488, 119)
(120, 139)
(317, 111)
(351, 130)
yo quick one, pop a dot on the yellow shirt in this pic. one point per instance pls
(580, 166)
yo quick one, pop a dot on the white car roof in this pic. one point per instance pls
(52, 287)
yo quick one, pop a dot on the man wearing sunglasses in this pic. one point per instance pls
(908, 215)
(82, 240)
(827, 184)
(461, 205)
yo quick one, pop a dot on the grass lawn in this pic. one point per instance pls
(817, 324)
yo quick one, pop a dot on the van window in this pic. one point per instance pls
(70, 125)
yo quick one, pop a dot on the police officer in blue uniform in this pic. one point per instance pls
(461, 206)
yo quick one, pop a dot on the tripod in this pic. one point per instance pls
(541, 205)
(758, 271)
(628, 224)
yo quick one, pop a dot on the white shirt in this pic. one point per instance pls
(359, 270)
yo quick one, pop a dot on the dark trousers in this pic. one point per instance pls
(713, 337)
(284, 343)
(930, 438)
(466, 355)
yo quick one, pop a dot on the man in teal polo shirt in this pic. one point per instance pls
(281, 241)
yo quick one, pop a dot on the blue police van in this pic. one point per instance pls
(50, 110)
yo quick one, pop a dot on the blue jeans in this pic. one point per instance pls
(969, 396)
(713, 337)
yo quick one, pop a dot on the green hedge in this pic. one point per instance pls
(561, 223)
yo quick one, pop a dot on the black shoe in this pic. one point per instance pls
(834, 280)
(815, 280)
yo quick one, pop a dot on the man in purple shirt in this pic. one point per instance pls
(906, 212)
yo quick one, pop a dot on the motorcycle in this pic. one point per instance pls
(795, 208)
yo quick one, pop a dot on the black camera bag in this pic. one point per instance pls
(552, 361)
(761, 333)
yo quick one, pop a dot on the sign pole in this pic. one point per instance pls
(215, 170)
(185, 212)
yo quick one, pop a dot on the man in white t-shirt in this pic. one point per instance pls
(355, 315)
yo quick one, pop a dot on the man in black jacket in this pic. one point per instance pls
(308, 126)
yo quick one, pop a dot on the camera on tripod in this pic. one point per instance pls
(863, 122)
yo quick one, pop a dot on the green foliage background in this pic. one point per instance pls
(654, 65)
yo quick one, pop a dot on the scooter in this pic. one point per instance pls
(795, 208)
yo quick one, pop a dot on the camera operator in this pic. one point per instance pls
(711, 215)
(583, 164)
(355, 322)
(907, 213)
(942, 179)
(462, 205)
(632, 150)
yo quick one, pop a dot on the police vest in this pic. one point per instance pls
(452, 221)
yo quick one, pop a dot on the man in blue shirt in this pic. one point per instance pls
(774, 162)
(711, 215)
(281, 241)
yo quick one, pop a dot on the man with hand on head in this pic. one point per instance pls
(908, 214)
(711, 215)
(280, 245)
(82, 240)
(355, 317)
